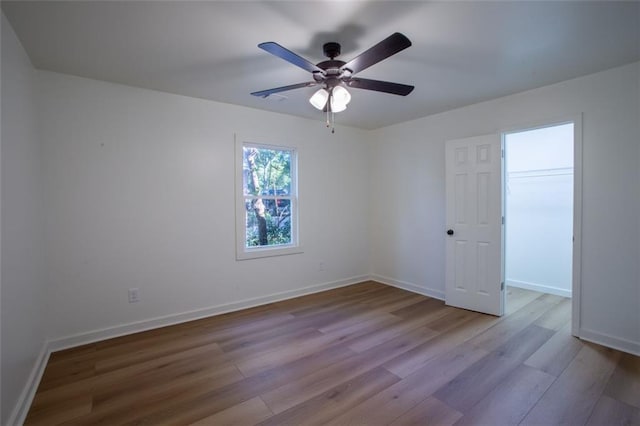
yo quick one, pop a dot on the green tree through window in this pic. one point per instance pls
(268, 195)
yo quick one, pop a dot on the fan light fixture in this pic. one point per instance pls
(332, 99)
(319, 99)
(338, 99)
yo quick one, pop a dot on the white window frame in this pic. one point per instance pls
(243, 252)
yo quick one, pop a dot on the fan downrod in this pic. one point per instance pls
(331, 50)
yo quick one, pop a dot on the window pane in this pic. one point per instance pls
(266, 171)
(268, 221)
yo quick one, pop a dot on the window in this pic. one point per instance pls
(266, 207)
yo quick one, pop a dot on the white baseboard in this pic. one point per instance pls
(614, 342)
(21, 409)
(539, 287)
(144, 325)
(430, 292)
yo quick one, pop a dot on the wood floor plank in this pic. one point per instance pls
(452, 319)
(392, 301)
(377, 317)
(159, 386)
(274, 357)
(246, 413)
(388, 405)
(298, 391)
(322, 408)
(416, 358)
(66, 355)
(473, 384)
(624, 384)
(508, 403)
(193, 408)
(556, 317)
(609, 411)
(574, 394)
(518, 298)
(345, 302)
(149, 352)
(61, 412)
(360, 354)
(232, 339)
(227, 336)
(189, 407)
(419, 308)
(262, 344)
(60, 374)
(376, 309)
(431, 411)
(298, 348)
(233, 322)
(508, 326)
(375, 338)
(57, 395)
(119, 409)
(556, 354)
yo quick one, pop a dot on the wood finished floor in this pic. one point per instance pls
(363, 354)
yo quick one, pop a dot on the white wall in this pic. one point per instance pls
(539, 209)
(23, 304)
(139, 192)
(408, 199)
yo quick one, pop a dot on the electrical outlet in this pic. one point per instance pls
(134, 295)
(321, 266)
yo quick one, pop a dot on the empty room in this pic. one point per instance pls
(320, 212)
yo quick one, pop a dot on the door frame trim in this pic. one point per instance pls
(576, 270)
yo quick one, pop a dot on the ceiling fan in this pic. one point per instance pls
(333, 74)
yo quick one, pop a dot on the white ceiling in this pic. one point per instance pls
(462, 53)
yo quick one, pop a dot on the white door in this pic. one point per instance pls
(474, 224)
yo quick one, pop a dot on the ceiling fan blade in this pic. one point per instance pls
(380, 86)
(265, 93)
(381, 51)
(289, 56)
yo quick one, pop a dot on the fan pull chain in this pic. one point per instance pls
(331, 119)
(333, 122)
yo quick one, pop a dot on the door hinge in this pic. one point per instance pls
(502, 286)
(502, 153)
(503, 220)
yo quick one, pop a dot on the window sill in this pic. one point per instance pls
(259, 253)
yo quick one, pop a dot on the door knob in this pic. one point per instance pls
(450, 232)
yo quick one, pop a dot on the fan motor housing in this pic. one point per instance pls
(332, 69)
(329, 65)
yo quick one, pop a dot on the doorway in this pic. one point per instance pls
(475, 186)
(539, 208)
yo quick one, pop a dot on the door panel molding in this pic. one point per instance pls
(474, 214)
